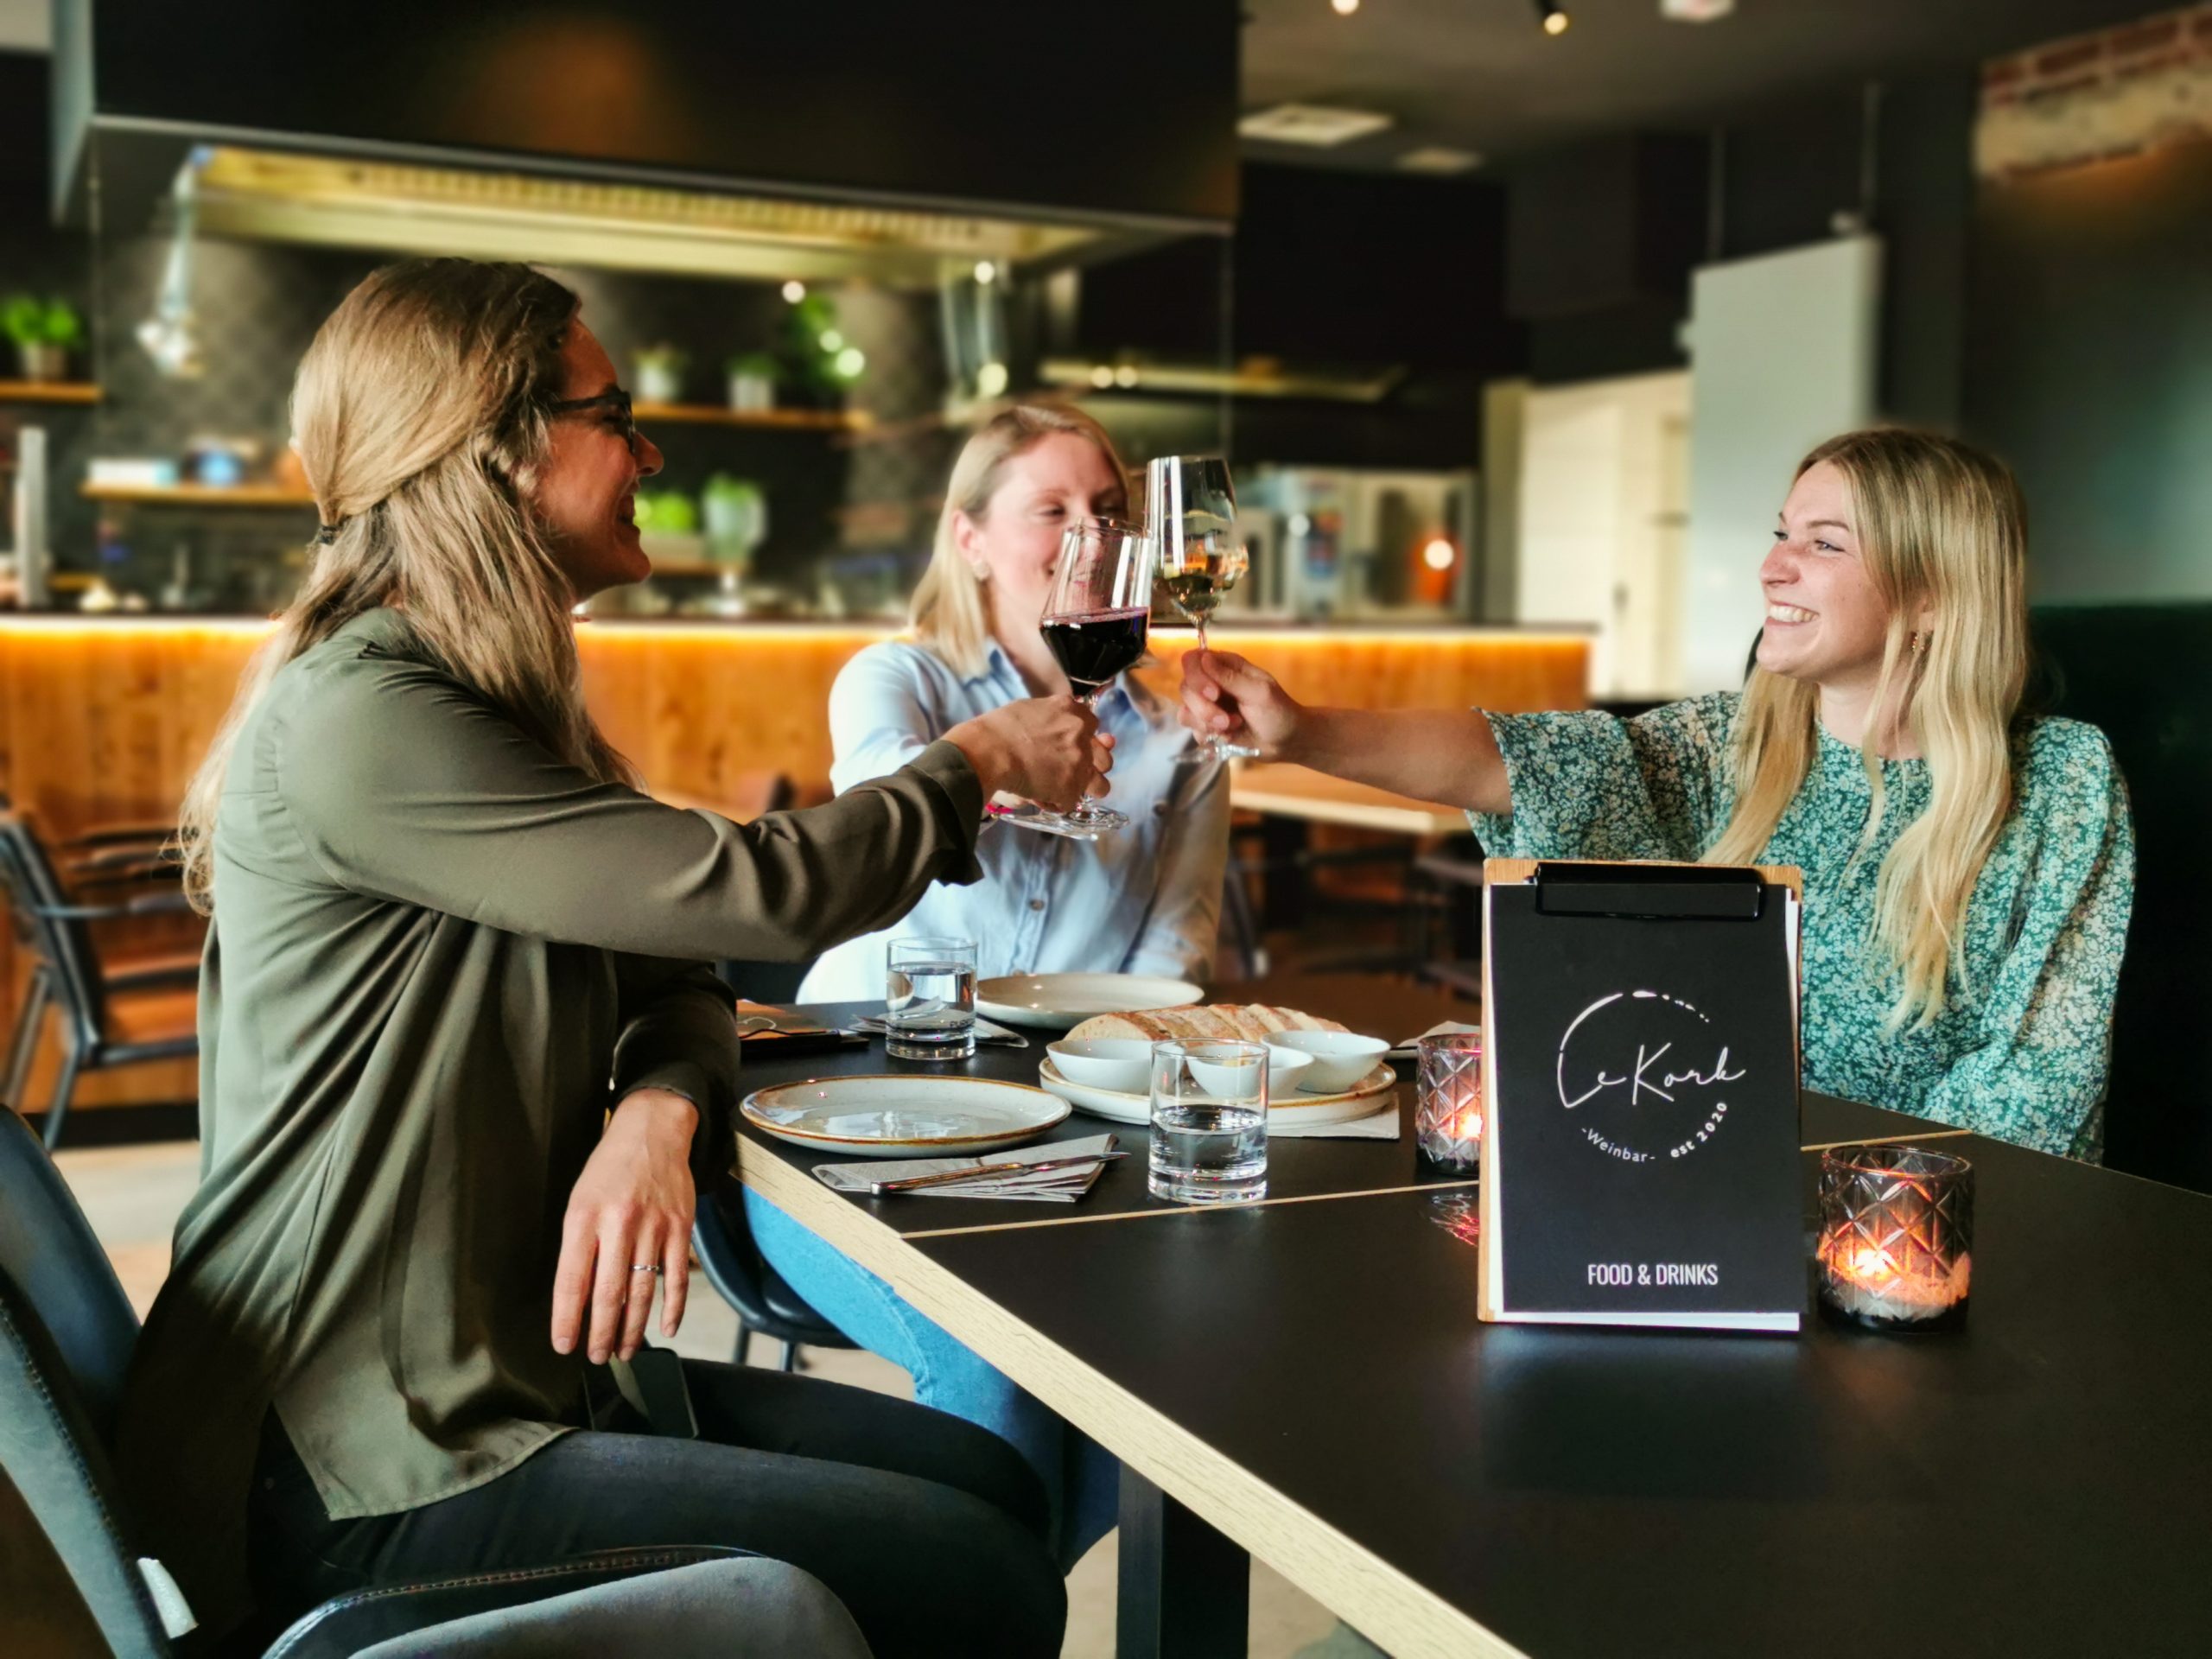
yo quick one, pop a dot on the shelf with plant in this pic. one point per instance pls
(44, 332)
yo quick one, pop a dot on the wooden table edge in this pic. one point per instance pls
(1186, 1209)
(1405, 1616)
(1886, 1140)
(1358, 814)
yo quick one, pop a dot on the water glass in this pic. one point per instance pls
(928, 998)
(1209, 1122)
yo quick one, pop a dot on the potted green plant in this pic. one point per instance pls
(825, 365)
(45, 332)
(660, 374)
(752, 377)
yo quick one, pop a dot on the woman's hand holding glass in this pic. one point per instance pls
(628, 1225)
(1048, 750)
(1225, 695)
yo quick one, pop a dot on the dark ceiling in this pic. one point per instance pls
(1480, 75)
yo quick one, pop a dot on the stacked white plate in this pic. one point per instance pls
(903, 1117)
(1057, 1001)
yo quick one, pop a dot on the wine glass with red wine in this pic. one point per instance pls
(1095, 623)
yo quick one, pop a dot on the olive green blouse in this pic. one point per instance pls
(439, 956)
(2019, 1049)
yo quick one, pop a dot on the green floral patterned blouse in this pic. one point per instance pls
(2019, 1050)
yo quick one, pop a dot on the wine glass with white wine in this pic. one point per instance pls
(1191, 514)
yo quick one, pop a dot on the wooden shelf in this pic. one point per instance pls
(201, 495)
(49, 392)
(791, 420)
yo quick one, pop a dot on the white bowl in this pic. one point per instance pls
(1340, 1058)
(1122, 1064)
(1288, 1069)
(1229, 1079)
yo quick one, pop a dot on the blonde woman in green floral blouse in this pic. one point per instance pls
(1969, 869)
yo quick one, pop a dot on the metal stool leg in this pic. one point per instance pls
(22, 1047)
(791, 1356)
(744, 1343)
(57, 1107)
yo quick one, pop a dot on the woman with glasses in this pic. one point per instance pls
(462, 1065)
(1144, 899)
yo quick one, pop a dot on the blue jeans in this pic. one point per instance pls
(1082, 1480)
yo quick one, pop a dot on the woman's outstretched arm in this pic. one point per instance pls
(1446, 755)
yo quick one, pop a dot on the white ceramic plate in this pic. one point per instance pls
(903, 1117)
(1294, 1113)
(1057, 1001)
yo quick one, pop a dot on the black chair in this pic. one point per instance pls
(65, 1339)
(2127, 670)
(30, 884)
(101, 1032)
(735, 1268)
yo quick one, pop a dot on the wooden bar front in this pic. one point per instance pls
(104, 723)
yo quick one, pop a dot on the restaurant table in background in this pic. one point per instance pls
(1288, 792)
(1453, 1487)
(1291, 801)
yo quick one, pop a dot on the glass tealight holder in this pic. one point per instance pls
(1896, 1249)
(1448, 1102)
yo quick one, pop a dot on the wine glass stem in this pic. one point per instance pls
(1084, 811)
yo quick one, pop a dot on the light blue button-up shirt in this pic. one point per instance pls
(1144, 899)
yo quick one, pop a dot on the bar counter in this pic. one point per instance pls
(102, 721)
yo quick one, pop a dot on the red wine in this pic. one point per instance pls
(1093, 648)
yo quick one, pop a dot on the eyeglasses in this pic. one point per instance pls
(616, 403)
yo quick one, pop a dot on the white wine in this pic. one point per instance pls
(1205, 572)
(1195, 593)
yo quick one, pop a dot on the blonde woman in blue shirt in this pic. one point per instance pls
(1146, 899)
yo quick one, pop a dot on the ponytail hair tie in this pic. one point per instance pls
(327, 534)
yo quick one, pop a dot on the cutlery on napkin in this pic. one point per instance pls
(1059, 1172)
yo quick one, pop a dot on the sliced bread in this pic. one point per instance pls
(1250, 1021)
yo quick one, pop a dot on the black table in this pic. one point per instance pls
(2039, 1484)
(1321, 1395)
(1297, 1168)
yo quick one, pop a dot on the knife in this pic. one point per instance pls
(946, 1177)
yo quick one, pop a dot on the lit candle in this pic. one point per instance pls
(1920, 1286)
(1897, 1234)
(1448, 1102)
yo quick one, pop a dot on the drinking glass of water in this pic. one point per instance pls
(1209, 1122)
(928, 998)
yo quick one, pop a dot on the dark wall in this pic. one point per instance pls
(992, 101)
(2088, 350)
(1328, 270)
(1605, 236)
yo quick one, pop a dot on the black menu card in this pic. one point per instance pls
(1640, 1154)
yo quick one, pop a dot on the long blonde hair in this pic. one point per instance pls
(948, 614)
(420, 415)
(1941, 525)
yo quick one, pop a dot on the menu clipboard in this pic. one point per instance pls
(1639, 1162)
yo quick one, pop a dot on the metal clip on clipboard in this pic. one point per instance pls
(1650, 892)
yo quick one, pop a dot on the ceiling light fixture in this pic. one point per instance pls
(1310, 123)
(1552, 16)
(1343, 8)
(1695, 11)
(1439, 158)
